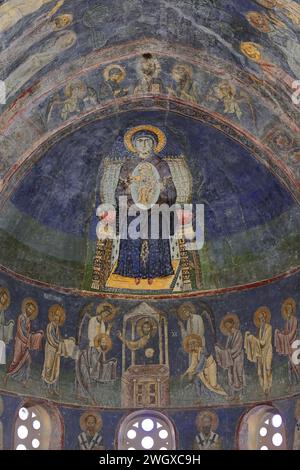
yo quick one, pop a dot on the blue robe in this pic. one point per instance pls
(146, 259)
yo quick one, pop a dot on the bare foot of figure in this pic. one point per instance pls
(150, 281)
(137, 281)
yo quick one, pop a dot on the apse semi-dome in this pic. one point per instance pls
(51, 214)
(115, 343)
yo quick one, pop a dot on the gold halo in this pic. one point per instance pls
(75, 83)
(266, 26)
(98, 338)
(140, 323)
(102, 307)
(114, 66)
(53, 309)
(84, 417)
(6, 291)
(229, 316)
(266, 3)
(258, 312)
(230, 86)
(161, 137)
(187, 339)
(181, 312)
(213, 416)
(254, 47)
(187, 68)
(66, 16)
(30, 300)
(289, 301)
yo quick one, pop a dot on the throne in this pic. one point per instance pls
(145, 369)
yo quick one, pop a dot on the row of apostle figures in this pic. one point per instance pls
(145, 345)
(204, 360)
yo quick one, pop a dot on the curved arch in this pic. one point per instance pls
(146, 429)
(38, 421)
(152, 103)
(262, 428)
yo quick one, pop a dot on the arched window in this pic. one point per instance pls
(38, 427)
(262, 428)
(146, 430)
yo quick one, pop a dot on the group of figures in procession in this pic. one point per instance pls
(205, 356)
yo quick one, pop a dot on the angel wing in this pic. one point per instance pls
(8, 331)
(182, 178)
(245, 98)
(109, 180)
(209, 327)
(84, 317)
(55, 101)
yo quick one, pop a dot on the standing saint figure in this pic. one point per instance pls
(114, 75)
(184, 86)
(203, 369)
(231, 357)
(207, 423)
(55, 348)
(259, 348)
(25, 341)
(145, 257)
(284, 339)
(90, 438)
(6, 329)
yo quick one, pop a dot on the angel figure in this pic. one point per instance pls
(184, 86)
(13, 11)
(148, 181)
(93, 367)
(232, 100)
(288, 8)
(282, 37)
(78, 97)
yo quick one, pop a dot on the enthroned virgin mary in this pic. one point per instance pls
(146, 180)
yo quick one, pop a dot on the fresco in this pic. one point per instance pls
(230, 348)
(182, 102)
(245, 230)
(221, 424)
